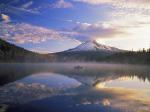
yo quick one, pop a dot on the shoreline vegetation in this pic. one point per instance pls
(10, 53)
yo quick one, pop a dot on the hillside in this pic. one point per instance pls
(13, 53)
(93, 51)
(87, 51)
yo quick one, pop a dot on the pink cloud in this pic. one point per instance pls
(5, 18)
(62, 4)
(25, 33)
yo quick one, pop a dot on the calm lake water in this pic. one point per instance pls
(74, 87)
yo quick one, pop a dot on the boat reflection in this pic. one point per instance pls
(59, 88)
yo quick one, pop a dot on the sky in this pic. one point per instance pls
(47, 26)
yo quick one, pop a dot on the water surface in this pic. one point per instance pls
(64, 87)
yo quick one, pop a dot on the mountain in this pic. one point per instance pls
(12, 53)
(87, 51)
(94, 46)
(93, 51)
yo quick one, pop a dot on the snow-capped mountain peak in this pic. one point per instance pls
(94, 46)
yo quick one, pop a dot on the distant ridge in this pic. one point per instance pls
(10, 53)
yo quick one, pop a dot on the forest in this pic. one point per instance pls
(12, 53)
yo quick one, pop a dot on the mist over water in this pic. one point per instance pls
(73, 87)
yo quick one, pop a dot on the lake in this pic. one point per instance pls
(74, 87)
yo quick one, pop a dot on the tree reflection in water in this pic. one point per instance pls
(94, 93)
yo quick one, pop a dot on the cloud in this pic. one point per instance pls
(60, 45)
(38, 39)
(28, 4)
(5, 18)
(94, 2)
(28, 7)
(120, 3)
(62, 4)
(88, 31)
(33, 6)
(42, 50)
(25, 33)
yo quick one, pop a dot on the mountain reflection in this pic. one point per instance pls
(95, 87)
(102, 72)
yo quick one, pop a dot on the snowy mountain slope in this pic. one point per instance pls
(94, 46)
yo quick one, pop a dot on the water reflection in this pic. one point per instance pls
(52, 80)
(12, 72)
(127, 91)
(36, 86)
(106, 102)
(128, 82)
(61, 88)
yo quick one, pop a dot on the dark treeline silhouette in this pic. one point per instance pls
(134, 57)
(12, 53)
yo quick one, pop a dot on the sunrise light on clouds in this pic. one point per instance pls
(120, 23)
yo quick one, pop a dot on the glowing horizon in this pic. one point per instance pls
(48, 26)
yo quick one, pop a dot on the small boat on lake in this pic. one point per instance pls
(78, 67)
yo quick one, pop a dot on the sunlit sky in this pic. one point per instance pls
(55, 25)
